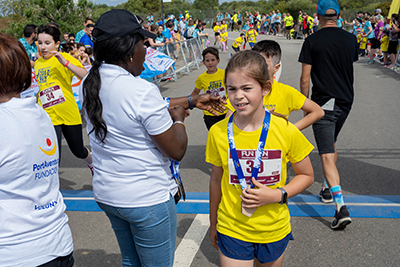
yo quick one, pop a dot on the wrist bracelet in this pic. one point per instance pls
(179, 122)
(190, 102)
(66, 64)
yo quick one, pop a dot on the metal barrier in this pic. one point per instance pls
(186, 54)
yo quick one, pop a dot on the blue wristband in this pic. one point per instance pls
(190, 102)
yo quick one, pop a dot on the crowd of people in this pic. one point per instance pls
(137, 136)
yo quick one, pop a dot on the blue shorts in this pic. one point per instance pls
(251, 44)
(241, 250)
(235, 49)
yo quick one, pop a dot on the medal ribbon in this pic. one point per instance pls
(174, 166)
(259, 151)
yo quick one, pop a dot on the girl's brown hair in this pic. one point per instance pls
(16, 72)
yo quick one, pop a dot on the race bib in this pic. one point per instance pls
(218, 92)
(270, 166)
(51, 96)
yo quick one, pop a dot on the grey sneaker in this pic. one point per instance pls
(342, 219)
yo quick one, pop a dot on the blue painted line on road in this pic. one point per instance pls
(362, 206)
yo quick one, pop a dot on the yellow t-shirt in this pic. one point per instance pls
(251, 36)
(239, 42)
(217, 28)
(269, 223)
(224, 37)
(235, 18)
(224, 26)
(385, 43)
(212, 84)
(284, 99)
(310, 21)
(50, 72)
(363, 43)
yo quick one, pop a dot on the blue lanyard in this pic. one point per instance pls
(174, 165)
(259, 151)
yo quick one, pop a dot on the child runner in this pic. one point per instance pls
(217, 29)
(237, 43)
(54, 72)
(252, 36)
(224, 39)
(212, 82)
(253, 224)
(82, 56)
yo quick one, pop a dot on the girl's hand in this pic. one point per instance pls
(263, 195)
(60, 58)
(213, 236)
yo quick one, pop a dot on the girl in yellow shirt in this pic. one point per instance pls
(253, 146)
(54, 72)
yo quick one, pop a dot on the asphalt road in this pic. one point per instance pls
(368, 163)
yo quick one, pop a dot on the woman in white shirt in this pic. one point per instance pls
(133, 135)
(33, 226)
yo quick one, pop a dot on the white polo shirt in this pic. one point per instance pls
(129, 170)
(33, 225)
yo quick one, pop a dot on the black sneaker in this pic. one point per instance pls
(325, 195)
(342, 219)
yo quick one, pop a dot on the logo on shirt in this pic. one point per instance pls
(49, 151)
(42, 75)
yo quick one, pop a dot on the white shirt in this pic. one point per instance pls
(273, 18)
(33, 225)
(129, 170)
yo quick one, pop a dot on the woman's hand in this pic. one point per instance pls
(210, 103)
(177, 113)
(263, 195)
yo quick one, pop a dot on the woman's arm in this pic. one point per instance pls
(173, 142)
(313, 113)
(263, 195)
(206, 102)
(215, 199)
(152, 43)
(78, 71)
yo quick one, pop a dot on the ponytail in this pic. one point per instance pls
(92, 105)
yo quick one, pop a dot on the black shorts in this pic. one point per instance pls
(236, 49)
(306, 31)
(288, 28)
(239, 23)
(216, 33)
(375, 44)
(211, 120)
(326, 130)
(392, 49)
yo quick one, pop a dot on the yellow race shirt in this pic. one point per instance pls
(269, 223)
(235, 18)
(251, 36)
(310, 21)
(385, 43)
(224, 26)
(51, 75)
(212, 84)
(289, 21)
(239, 42)
(224, 37)
(217, 28)
(284, 99)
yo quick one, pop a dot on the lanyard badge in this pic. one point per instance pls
(257, 158)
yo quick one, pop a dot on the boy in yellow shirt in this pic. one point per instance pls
(212, 82)
(385, 47)
(252, 36)
(237, 43)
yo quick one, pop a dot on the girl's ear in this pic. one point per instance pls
(267, 88)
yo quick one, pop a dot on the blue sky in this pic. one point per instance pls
(117, 2)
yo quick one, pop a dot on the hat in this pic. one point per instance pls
(378, 10)
(324, 5)
(118, 23)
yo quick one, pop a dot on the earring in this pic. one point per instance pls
(131, 59)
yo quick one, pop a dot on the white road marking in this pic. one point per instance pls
(190, 244)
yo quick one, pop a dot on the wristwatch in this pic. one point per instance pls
(284, 196)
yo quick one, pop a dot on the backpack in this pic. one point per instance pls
(189, 32)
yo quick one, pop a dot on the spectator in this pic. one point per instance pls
(327, 57)
(71, 38)
(28, 41)
(88, 20)
(86, 39)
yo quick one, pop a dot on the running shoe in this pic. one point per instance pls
(325, 196)
(342, 219)
(371, 62)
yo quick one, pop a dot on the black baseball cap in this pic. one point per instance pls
(117, 23)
